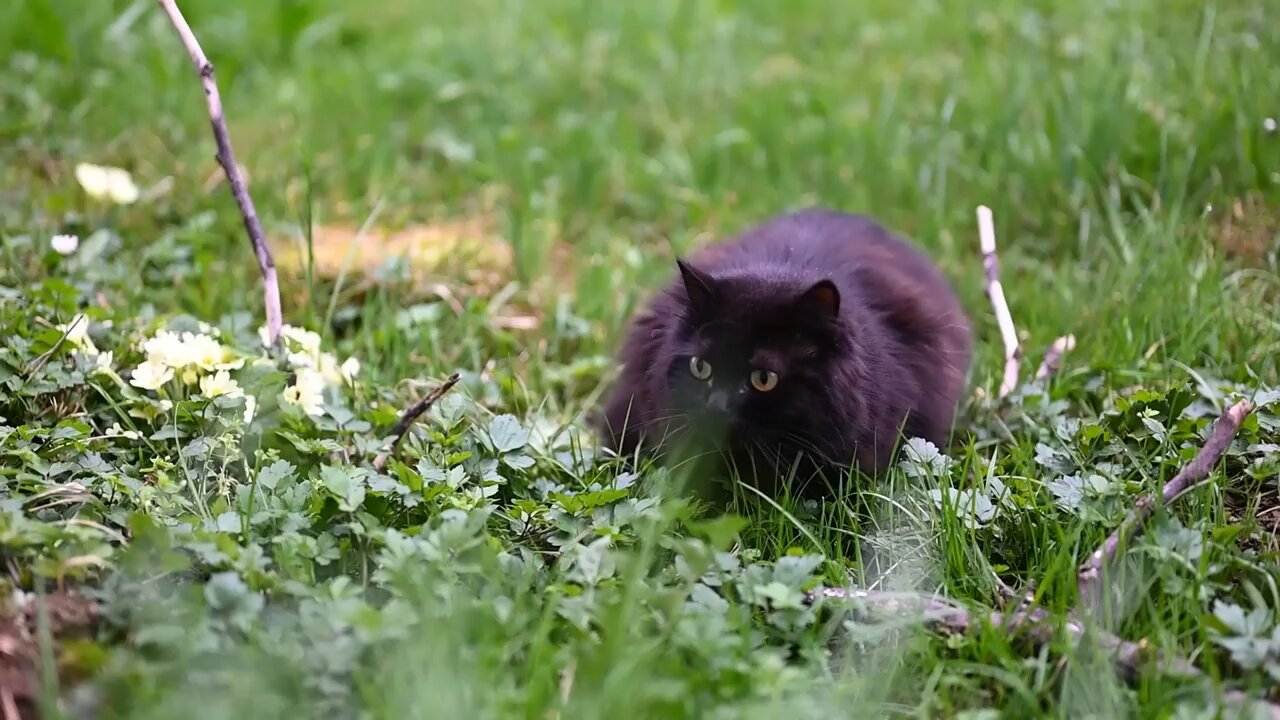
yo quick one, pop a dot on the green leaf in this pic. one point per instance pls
(271, 476)
(518, 461)
(507, 434)
(721, 531)
(345, 484)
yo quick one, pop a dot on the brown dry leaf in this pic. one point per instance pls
(468, 242)
(1248, 230)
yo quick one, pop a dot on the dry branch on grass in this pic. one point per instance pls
(995, 292)
(410, 414)
(1190, 476)
(1038, 626)
(1008, 331)
(266, 264)
(1053, 356)
(946, 616)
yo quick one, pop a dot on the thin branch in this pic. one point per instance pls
(266, 264)
(1038, 625)
(1196, 471)
(1053, 356)
(995, 292)
(410, 414)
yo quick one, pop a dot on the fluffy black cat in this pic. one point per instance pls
(798, 349)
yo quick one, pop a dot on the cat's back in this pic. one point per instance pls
(849, 248)
(876, 269)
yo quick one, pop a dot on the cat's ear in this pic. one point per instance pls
(822, 297)
(698, 285)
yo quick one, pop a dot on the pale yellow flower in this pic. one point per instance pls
(77, 332)
(218, 384)
(151, 375)
(107, 183)
(190, 353)
(307, 392)
(329, 369)
(308, 340)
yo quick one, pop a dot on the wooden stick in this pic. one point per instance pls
(1053, 356)
(410, 414)
(1039, 625)
(266, 263)
(995, 292)
(1190, 476)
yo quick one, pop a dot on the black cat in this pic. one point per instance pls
(807, 343)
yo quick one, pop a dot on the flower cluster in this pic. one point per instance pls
(192, 359)
(187, 356)
(179, 360)
(314, 369)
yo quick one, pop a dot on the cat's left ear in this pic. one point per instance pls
(822, 297)
(697, 285)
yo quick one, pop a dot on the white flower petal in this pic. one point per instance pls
(65, 244)
(218, 384)
(151, 375)
(350, 369)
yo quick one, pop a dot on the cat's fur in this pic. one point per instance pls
(865, 335)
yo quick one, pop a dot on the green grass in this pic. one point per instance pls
(1121, 145)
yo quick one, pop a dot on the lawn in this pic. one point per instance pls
(197, 547)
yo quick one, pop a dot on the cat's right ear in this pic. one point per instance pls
(697, 285)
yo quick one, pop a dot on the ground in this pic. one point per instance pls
(539, 166)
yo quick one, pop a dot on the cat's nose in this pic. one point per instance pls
(718, 400)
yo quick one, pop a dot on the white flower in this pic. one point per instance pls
(307, 392)
(65, 244)
(308, 340)
(166, 349)
(151, 375)
(329, 369)
(220, 383)
(103, 362)
(1269, 125)
(116, 431)
(301, 360)
(77, 332)
(250, 408)
(110, 183)
(350, 369)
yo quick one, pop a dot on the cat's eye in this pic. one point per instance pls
(699, 368)
(764, 380)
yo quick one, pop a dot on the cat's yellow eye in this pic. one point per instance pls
(699, 368)
(764, 380)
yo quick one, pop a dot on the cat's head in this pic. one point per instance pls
(752, 351)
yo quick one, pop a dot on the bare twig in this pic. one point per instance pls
(266, 264)
(410, 414)
(1036, 624)
(1190, 476)
(948, 617)
(8, 706)
(995, 292)
(1053, 356)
